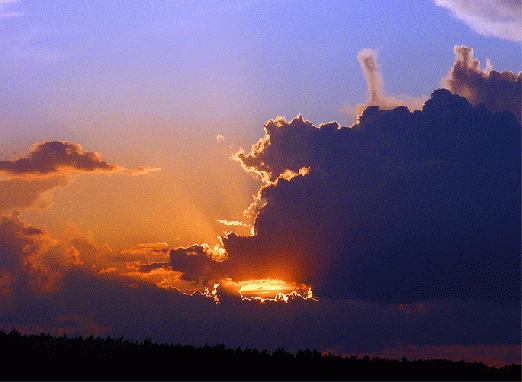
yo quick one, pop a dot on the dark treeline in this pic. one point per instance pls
(46, 357)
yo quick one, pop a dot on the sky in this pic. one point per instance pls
(158, 156)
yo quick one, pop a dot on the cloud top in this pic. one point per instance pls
(498, 91)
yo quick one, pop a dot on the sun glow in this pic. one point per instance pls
(274, 289)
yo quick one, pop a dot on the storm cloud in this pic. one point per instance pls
(400, 207)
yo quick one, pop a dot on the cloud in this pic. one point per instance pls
(199, 263)
(497, 90)
(400, 207)
(89, 300)
(28, 182)
(490, 18)
(144, 170)
(18, 193)
(24, 267)
(374, 79)
(368, 60)
(56, 157)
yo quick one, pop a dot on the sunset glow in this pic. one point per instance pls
(264, 174)
(269, 287)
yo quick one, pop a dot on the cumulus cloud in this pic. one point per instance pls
(490, 18)
(264, 159)
(400, 207)
(497, 90)
(54, 157)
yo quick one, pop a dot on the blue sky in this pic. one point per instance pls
(149, 82)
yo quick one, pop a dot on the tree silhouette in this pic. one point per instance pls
(44, 357)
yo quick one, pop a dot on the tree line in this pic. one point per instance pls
(45, 357)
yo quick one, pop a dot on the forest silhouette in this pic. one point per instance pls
(47, 357)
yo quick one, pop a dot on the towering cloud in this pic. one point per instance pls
(400, 207)
(490, 18)
(375, 82)
(497, 90)
(368, 60)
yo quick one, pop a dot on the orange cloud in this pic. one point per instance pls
(25, 266)
(144, 170)
(20, 193)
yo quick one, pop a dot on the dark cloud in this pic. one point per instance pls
(109, 304)
(24, 267)
(497, 90)
(28, 181)
(199, 263)
(53, 157)
(400, 207)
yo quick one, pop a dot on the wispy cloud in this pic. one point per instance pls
(490, 18)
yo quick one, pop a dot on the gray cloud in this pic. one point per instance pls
(56, 157)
